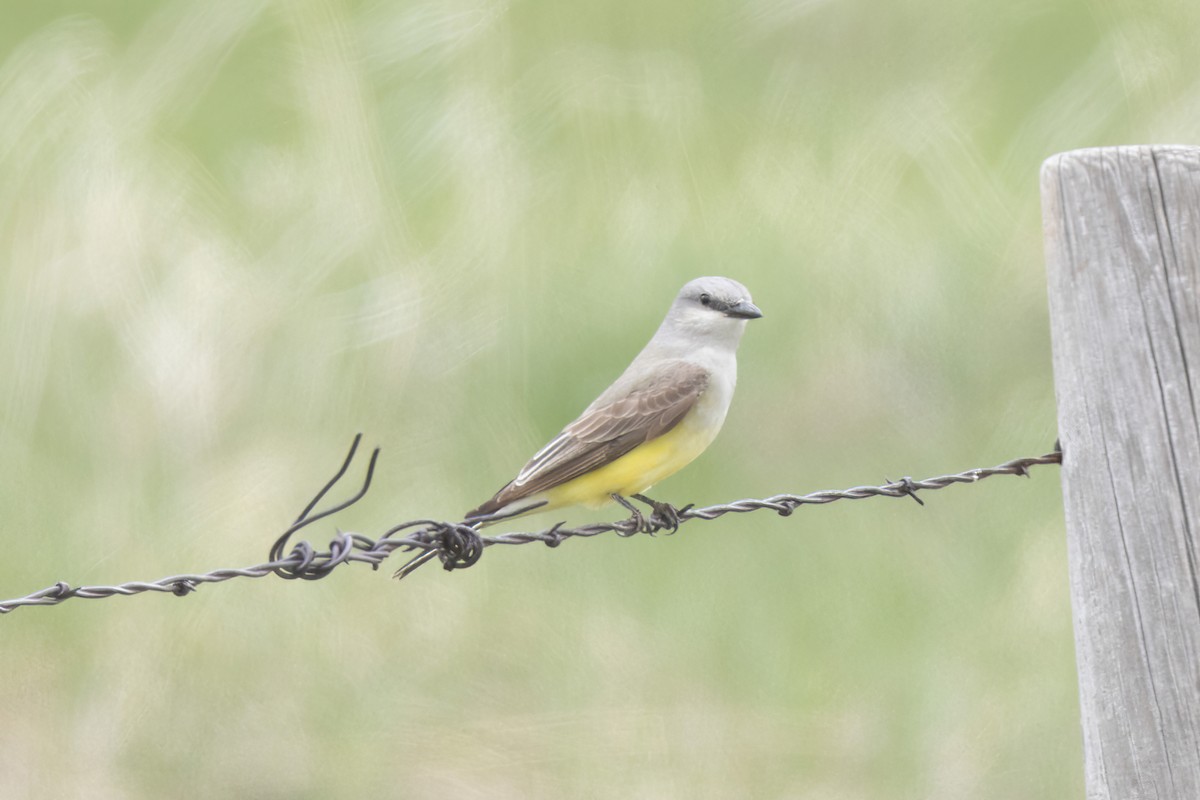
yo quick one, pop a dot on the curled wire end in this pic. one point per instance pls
(183, 588)
(305, 563)
(456, 544)
(304, 556)
(459, 546)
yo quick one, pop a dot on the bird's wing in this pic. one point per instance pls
(652, 406)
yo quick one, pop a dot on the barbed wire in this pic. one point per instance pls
(458, 545)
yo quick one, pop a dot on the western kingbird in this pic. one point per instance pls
(663, 411)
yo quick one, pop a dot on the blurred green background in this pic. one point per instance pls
(234, 233)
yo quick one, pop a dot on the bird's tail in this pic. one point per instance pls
(495, 510)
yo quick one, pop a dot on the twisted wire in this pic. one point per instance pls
(458, 545)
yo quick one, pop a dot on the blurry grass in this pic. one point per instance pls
(234, 233)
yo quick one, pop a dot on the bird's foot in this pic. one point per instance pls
(664, 516)
(638, 521)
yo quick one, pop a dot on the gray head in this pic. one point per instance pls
(711, 309)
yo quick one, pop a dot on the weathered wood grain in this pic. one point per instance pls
(1122, 233)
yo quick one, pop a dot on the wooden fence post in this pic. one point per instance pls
(1122, 233)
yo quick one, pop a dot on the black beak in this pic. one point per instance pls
(743, 309)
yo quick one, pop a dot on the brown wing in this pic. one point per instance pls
(605, 433)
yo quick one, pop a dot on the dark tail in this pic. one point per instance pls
(487, 509)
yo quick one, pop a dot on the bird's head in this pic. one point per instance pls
(712, 309)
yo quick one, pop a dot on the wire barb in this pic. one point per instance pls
(459, 545)
(907, 486)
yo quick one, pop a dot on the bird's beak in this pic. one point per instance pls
(743, 309)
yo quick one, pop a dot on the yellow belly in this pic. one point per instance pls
(637, 470)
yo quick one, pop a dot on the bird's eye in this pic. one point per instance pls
(705, 299)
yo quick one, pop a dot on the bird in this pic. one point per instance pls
(663, 411)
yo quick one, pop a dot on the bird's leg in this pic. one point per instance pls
(639, 519)
(664, 515)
